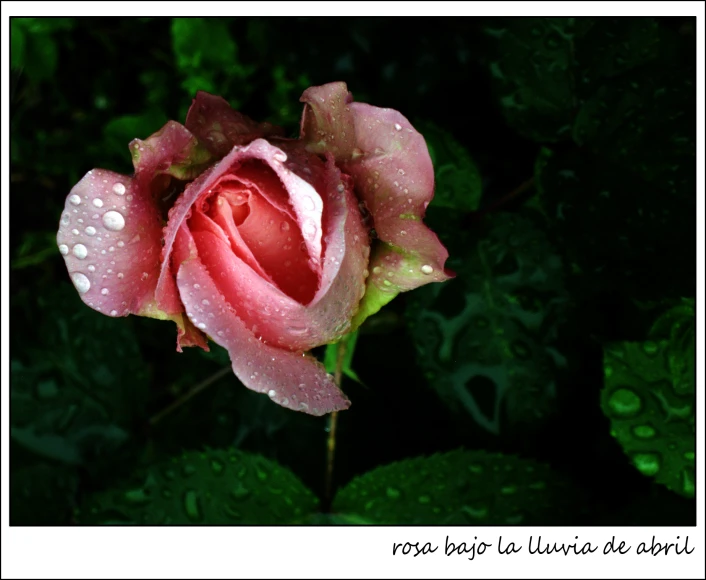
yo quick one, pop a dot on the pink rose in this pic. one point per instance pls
(260, 243)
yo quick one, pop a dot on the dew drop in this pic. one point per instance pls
(64, 249)
(427, 269)
(113, 312)
(80, 251)
(309, 229)
(280, 156)
(398, 127)
(91, 268)
(74, 232)
(75, 199)
(113, 220)
(377, 270)
(81, 282)
(105, 291)
(98, 202)
(340, 188)
(271, 393)
(201, 325)
(120, 275)
(284, 226)
(90, 231)
(119, 189)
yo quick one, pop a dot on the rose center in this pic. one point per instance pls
(265, 237)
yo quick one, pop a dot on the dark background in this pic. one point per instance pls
(564, 152)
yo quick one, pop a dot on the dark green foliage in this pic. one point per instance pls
(461, 488)
(487, 340)
(573, 299)
(649, 398)
(213, 487)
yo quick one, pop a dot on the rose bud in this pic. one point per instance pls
(258, 242)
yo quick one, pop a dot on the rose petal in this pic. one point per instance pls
(273, 315)
(110, 235)
(390, 164)
(327, 125)
(173, 150)
(219, 127)
(290, 379)
(305, 201)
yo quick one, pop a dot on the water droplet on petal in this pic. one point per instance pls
(74, 232)
(280, 156)
(64, 249)
(271, 393)
(113, 312)
(113, 220)
(105, 291)
(75, 199)
(398, 127)
(120, 275)
(201, 325)
(80, 251)
(426, 269)
(308, 203)
(377, 270)
(98, 202)
(119, 189)
(81, 282)
(205, 302)
(284, 226)
(340, 188)
(90, 231)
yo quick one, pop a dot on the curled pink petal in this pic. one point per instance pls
(327, 125)
(393, 174)
(219, 127)
(291, 379)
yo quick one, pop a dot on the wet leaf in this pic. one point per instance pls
(651, 419)
(486, 340)
(212, 487)
(461, 488)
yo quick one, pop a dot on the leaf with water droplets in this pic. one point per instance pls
(488, 341)
(462, 488)
(650, 407)
(214, 487)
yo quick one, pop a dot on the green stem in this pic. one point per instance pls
(332, 423)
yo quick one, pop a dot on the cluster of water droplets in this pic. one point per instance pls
(97, 219)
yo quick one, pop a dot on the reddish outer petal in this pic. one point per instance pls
(173, 149)
(219, 127)
(274, 316)
(306, 202)
(327, 125)
(291, 379)
(114, 268)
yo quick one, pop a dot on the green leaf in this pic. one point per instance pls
(545, 68)
(533, 75)
(78, 382)
(461, 488)
(678, 324)
(213, 487)
(458, 183)
(207, 56)
(650, 418)
(486, 340)
(615, 226)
